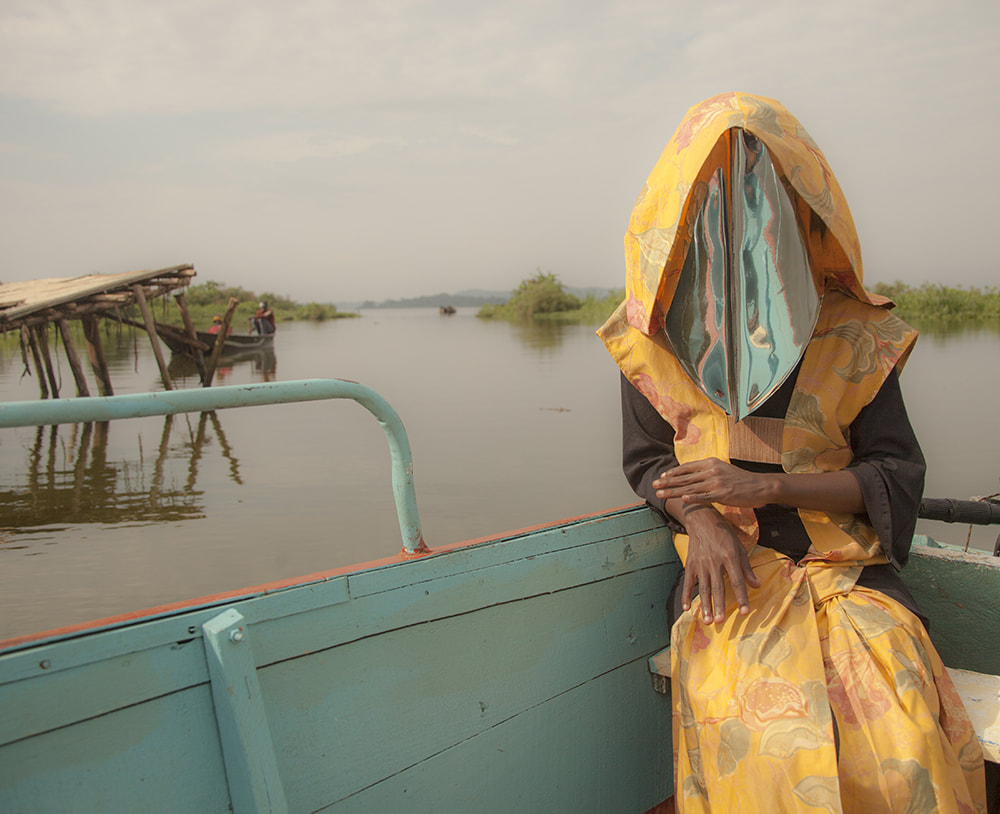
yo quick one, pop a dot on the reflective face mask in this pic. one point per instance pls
(745, 304)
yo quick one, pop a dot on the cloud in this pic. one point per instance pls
(300, 145)
(434, 140)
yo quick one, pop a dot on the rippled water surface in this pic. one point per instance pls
(510, 426)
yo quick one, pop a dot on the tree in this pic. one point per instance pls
(541, 294)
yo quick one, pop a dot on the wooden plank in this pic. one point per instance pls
(251, 770)
(28, 340)
(39, 294)
(641, 522)
(199, 360)
(501, 769)
(286, 624)
(95, 352)
(154, 340)
(220, 342)
(413, 692)
(981, 698)
(401, 697)
(960, 593)
(161, 757)
(73, 358)
(41, 333)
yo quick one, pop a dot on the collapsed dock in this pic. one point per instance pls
(33, 308)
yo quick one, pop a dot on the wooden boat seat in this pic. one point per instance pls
(980, 693)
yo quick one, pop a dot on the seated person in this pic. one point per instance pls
(763, 419)
(263, 319)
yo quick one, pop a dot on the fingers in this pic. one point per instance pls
(693, 482)
(710, 577)
(737, 578)
(689, 581)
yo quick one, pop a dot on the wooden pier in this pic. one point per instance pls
(34, 307)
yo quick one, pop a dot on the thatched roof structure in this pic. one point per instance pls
(37, 302)
(31, 307)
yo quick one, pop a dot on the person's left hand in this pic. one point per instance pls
(713, 481)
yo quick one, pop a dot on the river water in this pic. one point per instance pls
(510, 426)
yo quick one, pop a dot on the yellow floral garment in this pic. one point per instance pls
(828, 696)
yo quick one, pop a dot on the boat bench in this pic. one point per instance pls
(980, 694)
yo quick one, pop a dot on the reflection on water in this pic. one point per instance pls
(511, 425)
(943, 329)
(69, 479)
(184, 370)
(540, 334)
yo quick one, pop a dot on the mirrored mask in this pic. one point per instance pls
(745, 305)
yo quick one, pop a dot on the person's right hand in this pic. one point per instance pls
(715, 552)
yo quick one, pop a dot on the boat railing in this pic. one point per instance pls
(108, 408)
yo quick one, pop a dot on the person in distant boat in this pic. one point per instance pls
(217, 326)
(763, 419)
(263, 320)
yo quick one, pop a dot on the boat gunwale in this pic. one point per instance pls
(19, 644)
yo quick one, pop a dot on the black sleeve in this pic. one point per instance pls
(890, 468)
(647, 448)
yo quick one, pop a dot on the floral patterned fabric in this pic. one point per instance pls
(827, 696)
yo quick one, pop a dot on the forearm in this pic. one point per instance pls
(837, 492)
(713, 481)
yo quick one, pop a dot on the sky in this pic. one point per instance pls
(336, 151)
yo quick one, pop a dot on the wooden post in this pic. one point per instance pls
(95, 352)
(73, 358)
(28, 338)
(154, 340)
(220, 341)
(199, 359)
(42, 336)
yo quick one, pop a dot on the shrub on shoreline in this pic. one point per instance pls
(537, 296)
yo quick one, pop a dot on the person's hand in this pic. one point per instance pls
(713, 481)
(715, 552)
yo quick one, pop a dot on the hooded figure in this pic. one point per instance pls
(762, 418)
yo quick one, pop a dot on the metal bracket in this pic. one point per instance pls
(247, 748)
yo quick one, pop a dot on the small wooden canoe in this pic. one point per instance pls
(179, 342)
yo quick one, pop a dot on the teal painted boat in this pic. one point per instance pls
(517, 672)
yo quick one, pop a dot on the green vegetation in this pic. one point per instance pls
(210, 298)
(592, 311)
(544, 297)
(537, 296)
(932, 301)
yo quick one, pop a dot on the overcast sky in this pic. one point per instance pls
(336, 151)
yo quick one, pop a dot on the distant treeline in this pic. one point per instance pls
(210, 298)
(934, 301)
(436, 301)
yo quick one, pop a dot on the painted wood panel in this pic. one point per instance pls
(360, 712)
(960, 593)
(630, 771)
(394, 672)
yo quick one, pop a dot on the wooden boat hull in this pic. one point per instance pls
(509, 674)
(235, 345)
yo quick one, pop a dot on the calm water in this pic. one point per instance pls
(510, 426)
